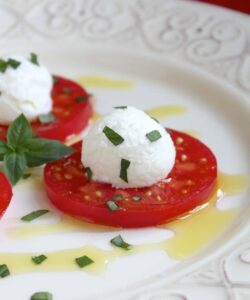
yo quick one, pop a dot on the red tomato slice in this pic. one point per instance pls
(189, 184)
(72, 115)
(6, 193)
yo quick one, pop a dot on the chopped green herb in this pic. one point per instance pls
(124, 168)
(120, 107)
(113, 136)
(4, 271)
(118, 197)
(153, 135)
(81, 99)
(45, 119)
(25, 176)
(34, 215)
(119, 242)
(155, 120)
(89, 173)
(39, 259)
(112, 205)
(67, 91)
(13, 63)
(3, 65)
(55, 79)
(136, 198)
(42, 296)
(34, 59)
(84, 261)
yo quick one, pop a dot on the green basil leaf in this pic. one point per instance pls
(14, 165)
(19, 132)
(42, 296)
(42, 151)
(34, 59)
(3, 149)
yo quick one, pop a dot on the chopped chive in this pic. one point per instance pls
(42, 296)
(34, 59)
(81, 98)
(55, 79)
(112, 205)
(120, 107)
(3, 65)
(34, 215)
(89, 173)
(27, 175)
(124, 168)
(4, 271)
(119, 242)
(118, 197)
(83, 261)
(67, 91)
(45, 119)
(13, 63)
(39, 259)
(113, 136)
(153, 135)
(155, 120)
(136, 198)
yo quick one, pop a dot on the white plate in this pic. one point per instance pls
(217, 110)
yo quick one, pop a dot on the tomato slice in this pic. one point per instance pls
(5, 195)
(72, 113)
(189, 184)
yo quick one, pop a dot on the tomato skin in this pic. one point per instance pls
(189, 184)
(6, 193)
(71, 116)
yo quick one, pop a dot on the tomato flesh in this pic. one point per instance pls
(189, 184)
(72, 116)
(6, 193)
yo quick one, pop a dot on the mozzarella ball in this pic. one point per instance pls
(150, 160)
(25, 89)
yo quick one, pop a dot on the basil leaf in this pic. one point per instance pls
(3, 65)
(124, 168)
(13, 63)
(113, 136)
(153, 136)
(119, 242)
(14, 165)
(19, 132)
(34, 59)
(39, 259)
(42, 151)
(34, 215)
(4, 271)
(89, 173)
(112, 205)
(84, 261)
(48, 118)
(42, 296)
(3, 149)
(81, 99)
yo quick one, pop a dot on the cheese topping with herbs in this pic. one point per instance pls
(25, 87)
(127, 148)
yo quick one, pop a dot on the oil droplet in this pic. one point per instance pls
(165, 111)
(101, 82)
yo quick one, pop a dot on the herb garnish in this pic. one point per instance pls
(155, 120)
(39, 259)
(89, 173)
(67, 91)
(3, 65)
(112, 205)
(34, 59)
(118, 197)
(4, 271)
(34, 215)
(13, 63)
(84, 261)
(153, 135)
(119, 242)
(113, 136)
(120, 107)
(25, 176)
(136, 198)
(124, 168)
(42, 296)
(23, 150)
(81, 98)
(48, 118)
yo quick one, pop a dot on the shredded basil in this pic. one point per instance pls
(81, 98)
(119, 242)
(39, 259)
(89, 173)
(113, 136)
(42, 296)
(34, 215)
(112, 205)
(45, 119)
(124, 168)
(4, 271)
(84, 261)
(153, 135)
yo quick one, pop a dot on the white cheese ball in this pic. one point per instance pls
(149, 161)
(26, 89)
